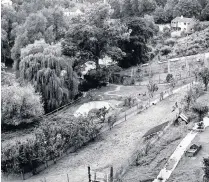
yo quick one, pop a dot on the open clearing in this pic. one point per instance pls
(114, 147)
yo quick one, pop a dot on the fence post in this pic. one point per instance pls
(89, 173)
(95, 176)
(68, 178)
(111, 174)
(22, 174)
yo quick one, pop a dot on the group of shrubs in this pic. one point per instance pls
(194, 109)
(194, 44)
(51, 140)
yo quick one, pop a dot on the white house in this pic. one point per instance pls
(182, 24)
(73, 13)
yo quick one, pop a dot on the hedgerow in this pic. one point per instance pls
(51, 140)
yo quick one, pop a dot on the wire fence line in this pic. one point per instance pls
(123, 116)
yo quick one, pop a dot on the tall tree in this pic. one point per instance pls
(116, 6)
(201, 110)
(205, 13)
(147, 6)
(169, 7)
(52, 75)
(159, 15)
(136, 48)
(161, 3)
(20, 104)
(95, 37)
(127, 9)
(33, 29)
(203, 3)
(187, 8)
(204, 76)
(135, 7)
(8, 25)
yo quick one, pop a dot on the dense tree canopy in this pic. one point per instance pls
(205, 12)
(95, 37)
(136, 48)
(116, 6)
(159, 15)
(8, 25)
(20, 104)
(187, 8)
(51, 73)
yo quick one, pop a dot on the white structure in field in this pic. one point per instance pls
(90, 65)
(106, 61)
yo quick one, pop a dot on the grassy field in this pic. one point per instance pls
(150, 164)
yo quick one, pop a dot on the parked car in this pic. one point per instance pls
(193, 150)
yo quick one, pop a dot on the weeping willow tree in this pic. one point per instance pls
(51, 73)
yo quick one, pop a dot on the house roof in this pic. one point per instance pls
(182, 116)
(183, 19)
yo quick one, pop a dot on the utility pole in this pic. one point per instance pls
(169, 69)
(150, 70)
(89, 173)
(187, 66)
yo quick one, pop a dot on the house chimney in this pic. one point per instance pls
(181, 16)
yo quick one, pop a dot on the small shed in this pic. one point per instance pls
(182, 117)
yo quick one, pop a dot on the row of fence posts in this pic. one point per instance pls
(169, 91)
(95, 178)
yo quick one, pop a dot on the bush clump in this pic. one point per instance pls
(20, 104)
(50, 141)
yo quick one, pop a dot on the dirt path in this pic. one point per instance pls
(113, 149)
(112, 91)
